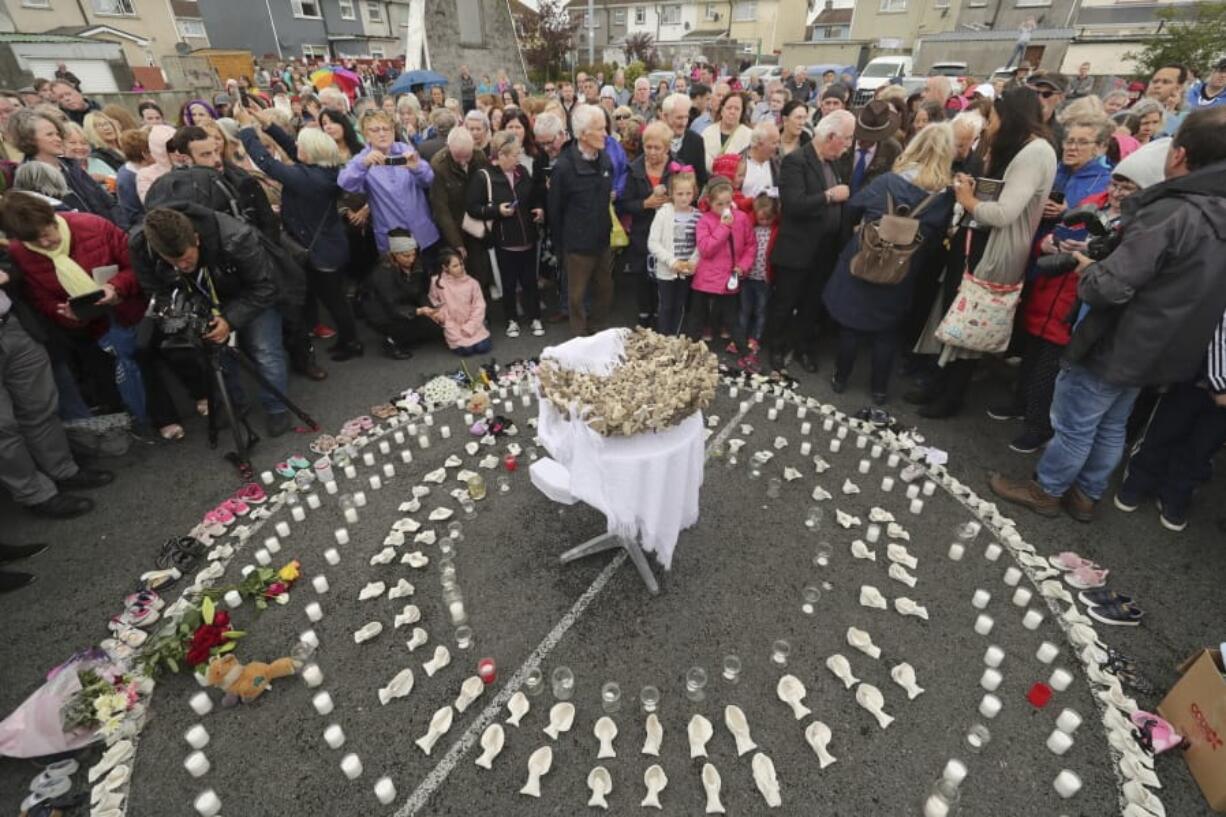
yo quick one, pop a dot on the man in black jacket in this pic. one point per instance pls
(223, 260)
(398, 287)
(811, 195)
(687, 147)
(1154, 302)
(580, 196)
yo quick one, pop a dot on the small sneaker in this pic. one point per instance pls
(1102, 597)
(1027, 442)
(1124, 615)
(753, 345)
(512, 329)
(252, 494)
(235, 506)
(219, 516)
(537, 329)
(1128, 499)
(1007, 411)
(323, 332)
(750, 363)
(731, 348)
(1173, 518)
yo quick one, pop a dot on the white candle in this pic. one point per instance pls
(333, 556)
(282, 528)
(246, 571)
(330, 487)
(992, 552)
(1059, 742)
(1032, 619)
(368, 459)
(956, 551)
(917, 506)
(1067, 722)
(872, 533)
(334, 736)
(429, 419)
(772, 414)
(323, 703)
(801, 411)
(861, 441)
(375, 482)
(990, 680)
(930, 487)
(984, 624)
(913, 491)
(990, 706)
(234, 599)
(805, 448)
(779, 404)
(310, 638)
(406, 456)
(841, 433)
(412, 428)
(445, 431)
(314, 612)
(980, 599)
(389, 470)
(342, 536)
(197, 763)
(312, 675)
(297, 513)
(1067, 783)
(828, 424)
(1060, 679)
(993, 656)
(423, 441)
(1047, 652)
(197, 736)
(201, 703)
(893, 459)
(207, 803)
(267, 477)
(384, 447)
(468, 418)
(733, 391)
(936, 807)
(887, 484)
(835, 445)
(398, 437)
(312, 501)
(527, 399)
(272, 544)
(350, 472)
(1021, 597)
(359, 499)
(1012, 576)
(320, 583)
(875, 452)
(351, 765)
(385, 790)
(805, 428)
(263, 557)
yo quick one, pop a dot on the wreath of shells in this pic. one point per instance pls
(660, 381)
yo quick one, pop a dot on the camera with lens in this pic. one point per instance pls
(182, 317)
(1102, 241)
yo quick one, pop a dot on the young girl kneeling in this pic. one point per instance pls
(458, 306)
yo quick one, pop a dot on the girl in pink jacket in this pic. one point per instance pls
(726, 248)
(458, 306)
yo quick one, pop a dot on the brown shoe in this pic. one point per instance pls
(1026, 493)
(1078, 505)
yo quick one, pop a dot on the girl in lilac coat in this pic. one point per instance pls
(726, 248)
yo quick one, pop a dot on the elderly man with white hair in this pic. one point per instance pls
(762, 163)
(800, 86)
(811, 195)
(641, 103)
(334, 98)
(968, 127)
(453, 168)
(579, 213)
(687, 147)
(938, 89)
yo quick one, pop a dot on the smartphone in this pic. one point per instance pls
(396, 161)
(1058, 198)
(86, 307)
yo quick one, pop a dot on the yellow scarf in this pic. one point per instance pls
(75, 280)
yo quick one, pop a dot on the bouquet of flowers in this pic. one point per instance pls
(104, 700)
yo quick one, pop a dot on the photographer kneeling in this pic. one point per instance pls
(220, 263)
(1153, 305)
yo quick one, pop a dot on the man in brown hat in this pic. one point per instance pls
(876, 148)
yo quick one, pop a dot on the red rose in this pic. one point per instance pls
(197, 655)
(275, 589)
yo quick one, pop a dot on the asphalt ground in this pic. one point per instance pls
(734, 588)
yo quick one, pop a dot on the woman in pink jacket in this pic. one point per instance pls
(726, 247)
(458, 306)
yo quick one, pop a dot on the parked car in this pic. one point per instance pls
(656, 77)
(750, 76)
(956, 71)
(880, 71)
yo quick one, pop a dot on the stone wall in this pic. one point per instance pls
(498, 50)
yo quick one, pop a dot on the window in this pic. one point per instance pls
(619, 17)
(670, 15)
(304, 8)
(892, 6)
(309, 50)
(191, 28)
(36, 4)
(374, 10)
(118, 7)
(745, 11)
(1032, 3)
(348, 12)
(377, 53)
(471, 32)
(940, 4)
(712, 12)
(589, 21)
(640, 16)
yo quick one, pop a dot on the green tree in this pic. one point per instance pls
(1193, 35)
(641, 47)
(549, 38)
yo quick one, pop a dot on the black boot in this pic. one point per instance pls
(348, 350)
(395, 351)
(302, 361)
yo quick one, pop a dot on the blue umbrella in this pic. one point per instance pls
(415, 79)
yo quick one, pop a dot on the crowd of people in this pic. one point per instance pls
(933, 229)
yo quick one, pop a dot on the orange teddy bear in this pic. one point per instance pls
(245, 681)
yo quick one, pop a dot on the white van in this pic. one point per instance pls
(878, 72)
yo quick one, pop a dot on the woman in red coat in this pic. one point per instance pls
(70, 255)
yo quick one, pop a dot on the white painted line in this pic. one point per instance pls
(439, 774)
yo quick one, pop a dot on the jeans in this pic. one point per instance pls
(120, 343)
(1088, 416)
(479, 348)
(673, 297)
(754, 296)
(1185, 432)
(72, 404)
(261, 340)
(884, 346)
(517, 268)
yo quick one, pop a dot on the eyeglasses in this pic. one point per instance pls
(1046, 93)
(1079, 143)
(1123, 186)
(621, 116)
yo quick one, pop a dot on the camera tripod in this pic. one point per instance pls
(245, 437)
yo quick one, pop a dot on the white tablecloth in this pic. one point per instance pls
(647, 485)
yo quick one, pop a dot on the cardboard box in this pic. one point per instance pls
(1196, 706)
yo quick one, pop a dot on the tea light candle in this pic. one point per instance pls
(917, 506)
(411, 428)
(330, 488)
(351, 765)
(350, 472)
(872, 533)
(526, 399)
(1013, 576)
(1059, 742)
(323, 703)
(779, 404)
(1021, 597)
(980, 599)
(368, 459)
(887, 484)
(955, 771)
(314, 612)
(375, 482)
(428, 420)
(893, 459)
(1047, 652)
(1067, 784)
(309, 638)
(487, 670)
(297, 513)
(805, 448)
(267, 477)
(930, 487)
(864, 466)
(389, 470)
(332, 556)
(828, 424)
(805, 428)
(282, 528)
(246, 571)
(385, 447)
(744, 406)
(423, 440)
(841, 433)
(201, 703)
(1060, 679)
(207, 803)
(320, 583)
(772, 414)
(1032, 619)
(992, 552)
(801, 411)
(233, 599)
(197, 736)
(733, 391)
(1067, 722)
(468, 418)
(990, 680)
(990, 706)
(912, 491)
(875, 452)
(835, 446)
(359, 499)
(342, 536)
(993, 656)
(861, 441)
(385, 790)
(263, 557)
(312, 675)
(398, 437)
(197, 763)
(334, 736)
(312, 501)
(984, 624)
